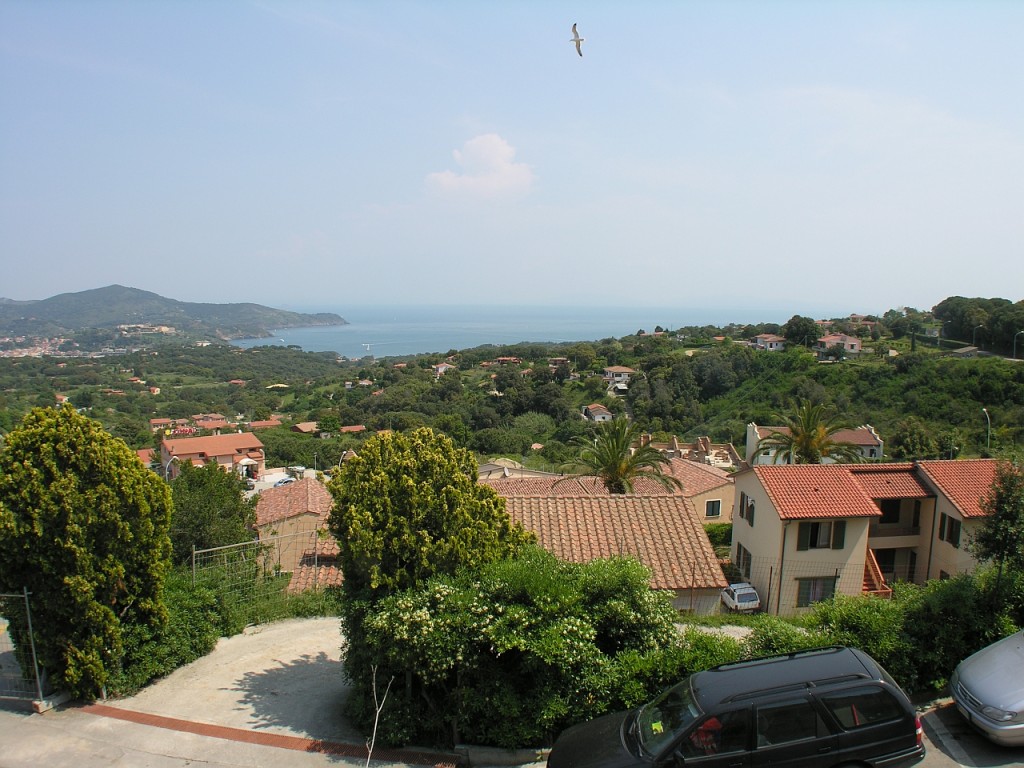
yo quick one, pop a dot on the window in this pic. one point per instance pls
(713, 508)
(949, 530)
(863, 706)
(821, 535)
(746, 510)
(890, 511)
(718, 734)
(917, 513)
(743, 560)
(814, 590)
(794, 720)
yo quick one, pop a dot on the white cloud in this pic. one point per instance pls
(487, 169)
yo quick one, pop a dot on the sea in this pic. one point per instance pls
(411, 330)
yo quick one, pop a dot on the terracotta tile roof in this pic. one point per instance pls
(306, 427)
(815, 491)
(890, 481)
(318, 568)
(302, 497)
(309, 576)
(698, 478)
(214, 445)
(547, 486)
(264, 423)
(662, 532)
(963, 482)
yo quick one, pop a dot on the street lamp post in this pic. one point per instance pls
(167, 466)
(1018, 333)
(988, 434)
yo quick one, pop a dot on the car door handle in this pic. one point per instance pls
(824, 750)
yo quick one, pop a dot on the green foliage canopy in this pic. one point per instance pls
(1000, 537)
(610, 455)
(809, 437)
(512, 653)
(408, 506)
(210, 510)
(83, 527)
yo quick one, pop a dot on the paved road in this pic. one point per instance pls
(952, 742)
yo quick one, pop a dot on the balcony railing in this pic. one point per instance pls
(876, 531)
(874, 581)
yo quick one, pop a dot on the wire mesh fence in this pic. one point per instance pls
(786, 587)
(255, 581)
(20, 676)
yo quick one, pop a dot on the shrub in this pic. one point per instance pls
(510, 654)
(771, 635)
(191, 632)
(873, 624)
(946, 621)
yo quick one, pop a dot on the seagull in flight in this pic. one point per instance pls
(577, 39)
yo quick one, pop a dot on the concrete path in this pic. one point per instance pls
(273, 695)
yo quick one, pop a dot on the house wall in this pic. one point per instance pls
(701, 602)
(776, 563)
(292, 542)
(845, 565)
(725, 494)
(945, 559)
(908, 542)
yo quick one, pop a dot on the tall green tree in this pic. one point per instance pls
(610, 455)
(1000, 537)
(808, 435)
(210, 510)
(83, 527)
(801, 330)
(408, 507)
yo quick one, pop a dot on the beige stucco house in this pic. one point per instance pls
(802, 533)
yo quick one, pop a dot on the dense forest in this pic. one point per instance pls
(917, 387)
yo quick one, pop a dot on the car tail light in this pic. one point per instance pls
(920, 733)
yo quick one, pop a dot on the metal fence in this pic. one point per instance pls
(256, 579)
(786, 587)
(20, 676)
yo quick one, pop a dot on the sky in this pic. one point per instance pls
(815, 158)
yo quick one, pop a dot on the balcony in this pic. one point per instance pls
(878, 531)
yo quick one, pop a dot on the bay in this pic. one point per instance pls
(411, 330)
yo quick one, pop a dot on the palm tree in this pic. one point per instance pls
(808, 437)
(610, 456)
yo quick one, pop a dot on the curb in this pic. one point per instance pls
(282, 741)
(484, 757)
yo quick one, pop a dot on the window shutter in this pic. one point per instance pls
(942, 527)
(750, 512)
(954, 533)
(838, 534)
(803, 537)
(803, 595)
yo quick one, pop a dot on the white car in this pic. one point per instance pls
(988, 688)
(741, 597)
(284, 481)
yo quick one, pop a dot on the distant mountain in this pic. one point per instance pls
(116, 305)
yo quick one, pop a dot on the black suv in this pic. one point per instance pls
(814, 709)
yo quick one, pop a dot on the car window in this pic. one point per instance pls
(717, 735)
(793, 720)
(863, 706)
(664, 719)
